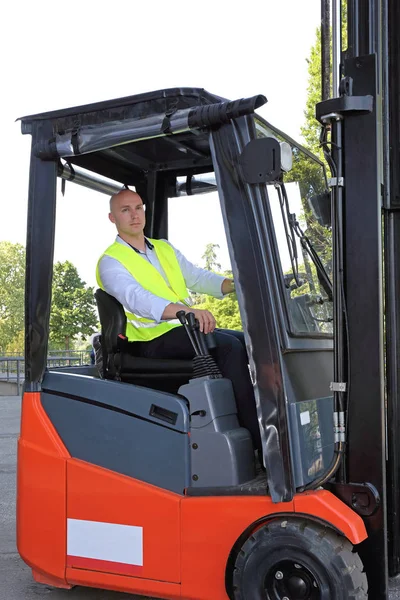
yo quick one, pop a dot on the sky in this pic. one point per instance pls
(61, 54)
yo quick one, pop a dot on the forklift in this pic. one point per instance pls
(138, 477)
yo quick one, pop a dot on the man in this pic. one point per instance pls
(150, 279)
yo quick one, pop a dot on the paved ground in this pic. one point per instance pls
(16, 582)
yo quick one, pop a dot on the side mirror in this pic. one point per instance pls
(320, 205)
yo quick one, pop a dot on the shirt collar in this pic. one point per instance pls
(148, 244)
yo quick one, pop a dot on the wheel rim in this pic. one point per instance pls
(288, 580)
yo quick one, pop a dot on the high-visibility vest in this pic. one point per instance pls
(139, 329)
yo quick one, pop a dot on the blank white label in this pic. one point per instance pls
(305, 417)
(105, 541)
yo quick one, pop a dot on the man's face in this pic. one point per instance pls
(127, 212)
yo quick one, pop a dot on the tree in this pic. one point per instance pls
(308, 175)
(73, 306)
(225, 311)
(311, 128)
(307, 172)
(12, 284)
(16, 345)
(210, 258)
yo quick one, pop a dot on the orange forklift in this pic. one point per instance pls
(137, 476)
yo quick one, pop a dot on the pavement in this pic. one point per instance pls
(16, 581)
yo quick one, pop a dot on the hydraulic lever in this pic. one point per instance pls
(181, 316)
(204, 364)
(199, 336)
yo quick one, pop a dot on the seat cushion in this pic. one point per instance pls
(126, 363)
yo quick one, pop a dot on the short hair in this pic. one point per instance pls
(124, 188)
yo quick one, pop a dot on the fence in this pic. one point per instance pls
(83, 355)
(12, 367)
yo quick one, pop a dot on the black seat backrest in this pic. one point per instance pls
(112, 320)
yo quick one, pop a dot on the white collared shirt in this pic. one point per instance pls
(118, 282)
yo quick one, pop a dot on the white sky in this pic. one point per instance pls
(61, 54)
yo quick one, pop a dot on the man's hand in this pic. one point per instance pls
(205, 318)
(228, 286)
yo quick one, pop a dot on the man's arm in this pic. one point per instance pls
(205, 318)
(120, 284)
(201, 280)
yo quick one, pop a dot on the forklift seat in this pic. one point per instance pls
(120, 360)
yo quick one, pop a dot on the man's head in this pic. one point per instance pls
(127, 213)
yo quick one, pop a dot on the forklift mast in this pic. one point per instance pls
(391, 206)
(364, 118)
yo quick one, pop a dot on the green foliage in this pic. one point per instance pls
(225, 311)
(311, 129)
(17, 343)
(73, 312)
(12, 284)
(73, 306)
(210, 258)
(309, 175)
(305, 171)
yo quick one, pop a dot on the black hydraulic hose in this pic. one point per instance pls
(286, 218)
(329, 473)
(309, 248)
(305, 242)
(339, 385)
(323, 142)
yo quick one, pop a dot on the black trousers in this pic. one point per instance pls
(231, 357)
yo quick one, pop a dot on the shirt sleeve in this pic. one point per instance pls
(118, 282)
(199, 280)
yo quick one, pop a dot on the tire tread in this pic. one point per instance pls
(344, 559)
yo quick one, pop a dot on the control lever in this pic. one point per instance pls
(200, 337)
(181, 315)
(203, 363)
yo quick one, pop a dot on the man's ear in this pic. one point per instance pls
(111, 217)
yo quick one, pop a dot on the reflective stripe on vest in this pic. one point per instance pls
(139, 328)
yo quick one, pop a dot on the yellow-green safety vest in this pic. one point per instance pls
(139, 329)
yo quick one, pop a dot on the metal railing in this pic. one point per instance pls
(83, 355)
(10, 371)
(12, 366)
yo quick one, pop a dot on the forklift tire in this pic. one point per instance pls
(297, 559)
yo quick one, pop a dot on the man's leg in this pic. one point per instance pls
(231, 357)
(173, 344)
(237, 334)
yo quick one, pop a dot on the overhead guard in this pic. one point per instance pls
(92, 138)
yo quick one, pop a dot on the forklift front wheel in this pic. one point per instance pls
(298, 559)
